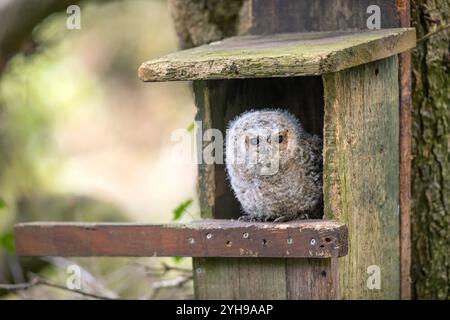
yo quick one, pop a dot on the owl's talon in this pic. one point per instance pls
(303, 216)
(246, 219)
(282, 219)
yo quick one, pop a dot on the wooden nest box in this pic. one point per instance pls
(344, 86)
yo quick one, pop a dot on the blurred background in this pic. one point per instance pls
(83, 139)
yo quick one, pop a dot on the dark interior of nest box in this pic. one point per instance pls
(302, 96)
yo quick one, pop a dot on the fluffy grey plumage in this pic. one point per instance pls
(274, 166)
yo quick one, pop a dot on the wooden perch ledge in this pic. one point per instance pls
(205, 238)
(280, 55)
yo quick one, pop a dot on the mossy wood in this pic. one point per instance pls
(361, 170)
(280, 55)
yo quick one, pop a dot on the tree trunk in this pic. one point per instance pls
(431, 161)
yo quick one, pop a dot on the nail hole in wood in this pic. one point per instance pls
(377, 71)
(323, 273)
(264, 242)
(229, 243)
(327, 240)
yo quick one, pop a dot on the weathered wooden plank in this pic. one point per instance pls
(276, 16)
(244, 278)
(361, 170)
(206, 238)
(281, 55)
(404, 10)
(265, 278)
(312, 279)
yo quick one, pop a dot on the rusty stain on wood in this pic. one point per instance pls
(206, 238)
(281, 55)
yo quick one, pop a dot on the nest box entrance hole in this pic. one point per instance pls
(220, 101)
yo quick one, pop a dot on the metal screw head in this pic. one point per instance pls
(290, 240)
(199, 270)
(209, 236)
(245, 235)
(312, 242)
(191, 240)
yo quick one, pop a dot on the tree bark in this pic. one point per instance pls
(18, 19)
(431, 161)
(202, 21)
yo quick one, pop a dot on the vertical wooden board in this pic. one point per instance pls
(404, 10)
(262, 278)
(276, 16)
(240, 278)
(205, 176)
(216, 278)
(361, 173)
(219, 101)
(312, 279)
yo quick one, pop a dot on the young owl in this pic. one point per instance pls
(274, 166)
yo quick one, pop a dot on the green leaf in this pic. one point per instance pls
(179, 211)
(2, 203)
(191, 127)
(7, 242)
(177, 259)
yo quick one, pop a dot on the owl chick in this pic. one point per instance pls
(274, 166)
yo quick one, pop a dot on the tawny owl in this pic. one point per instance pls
(274, 166)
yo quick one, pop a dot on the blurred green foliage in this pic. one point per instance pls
(73, 74)
(179, 211)
(7, 242)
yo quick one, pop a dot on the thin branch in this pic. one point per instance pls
(88, 278)
(438, 30)
(173, 268)
(163, 270)
(172, 283)
(36, 280)
(18, 286)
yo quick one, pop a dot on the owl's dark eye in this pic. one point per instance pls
(280, 139)
(254, 141)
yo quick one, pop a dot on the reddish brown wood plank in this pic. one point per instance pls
(403, 8)
(206, 238)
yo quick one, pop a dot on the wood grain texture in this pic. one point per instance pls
(206, 238)
(220, 101)
(312, 279)
(265, 278)
(281, 55)
(361, 173)
(403, 8)
(276, 16)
